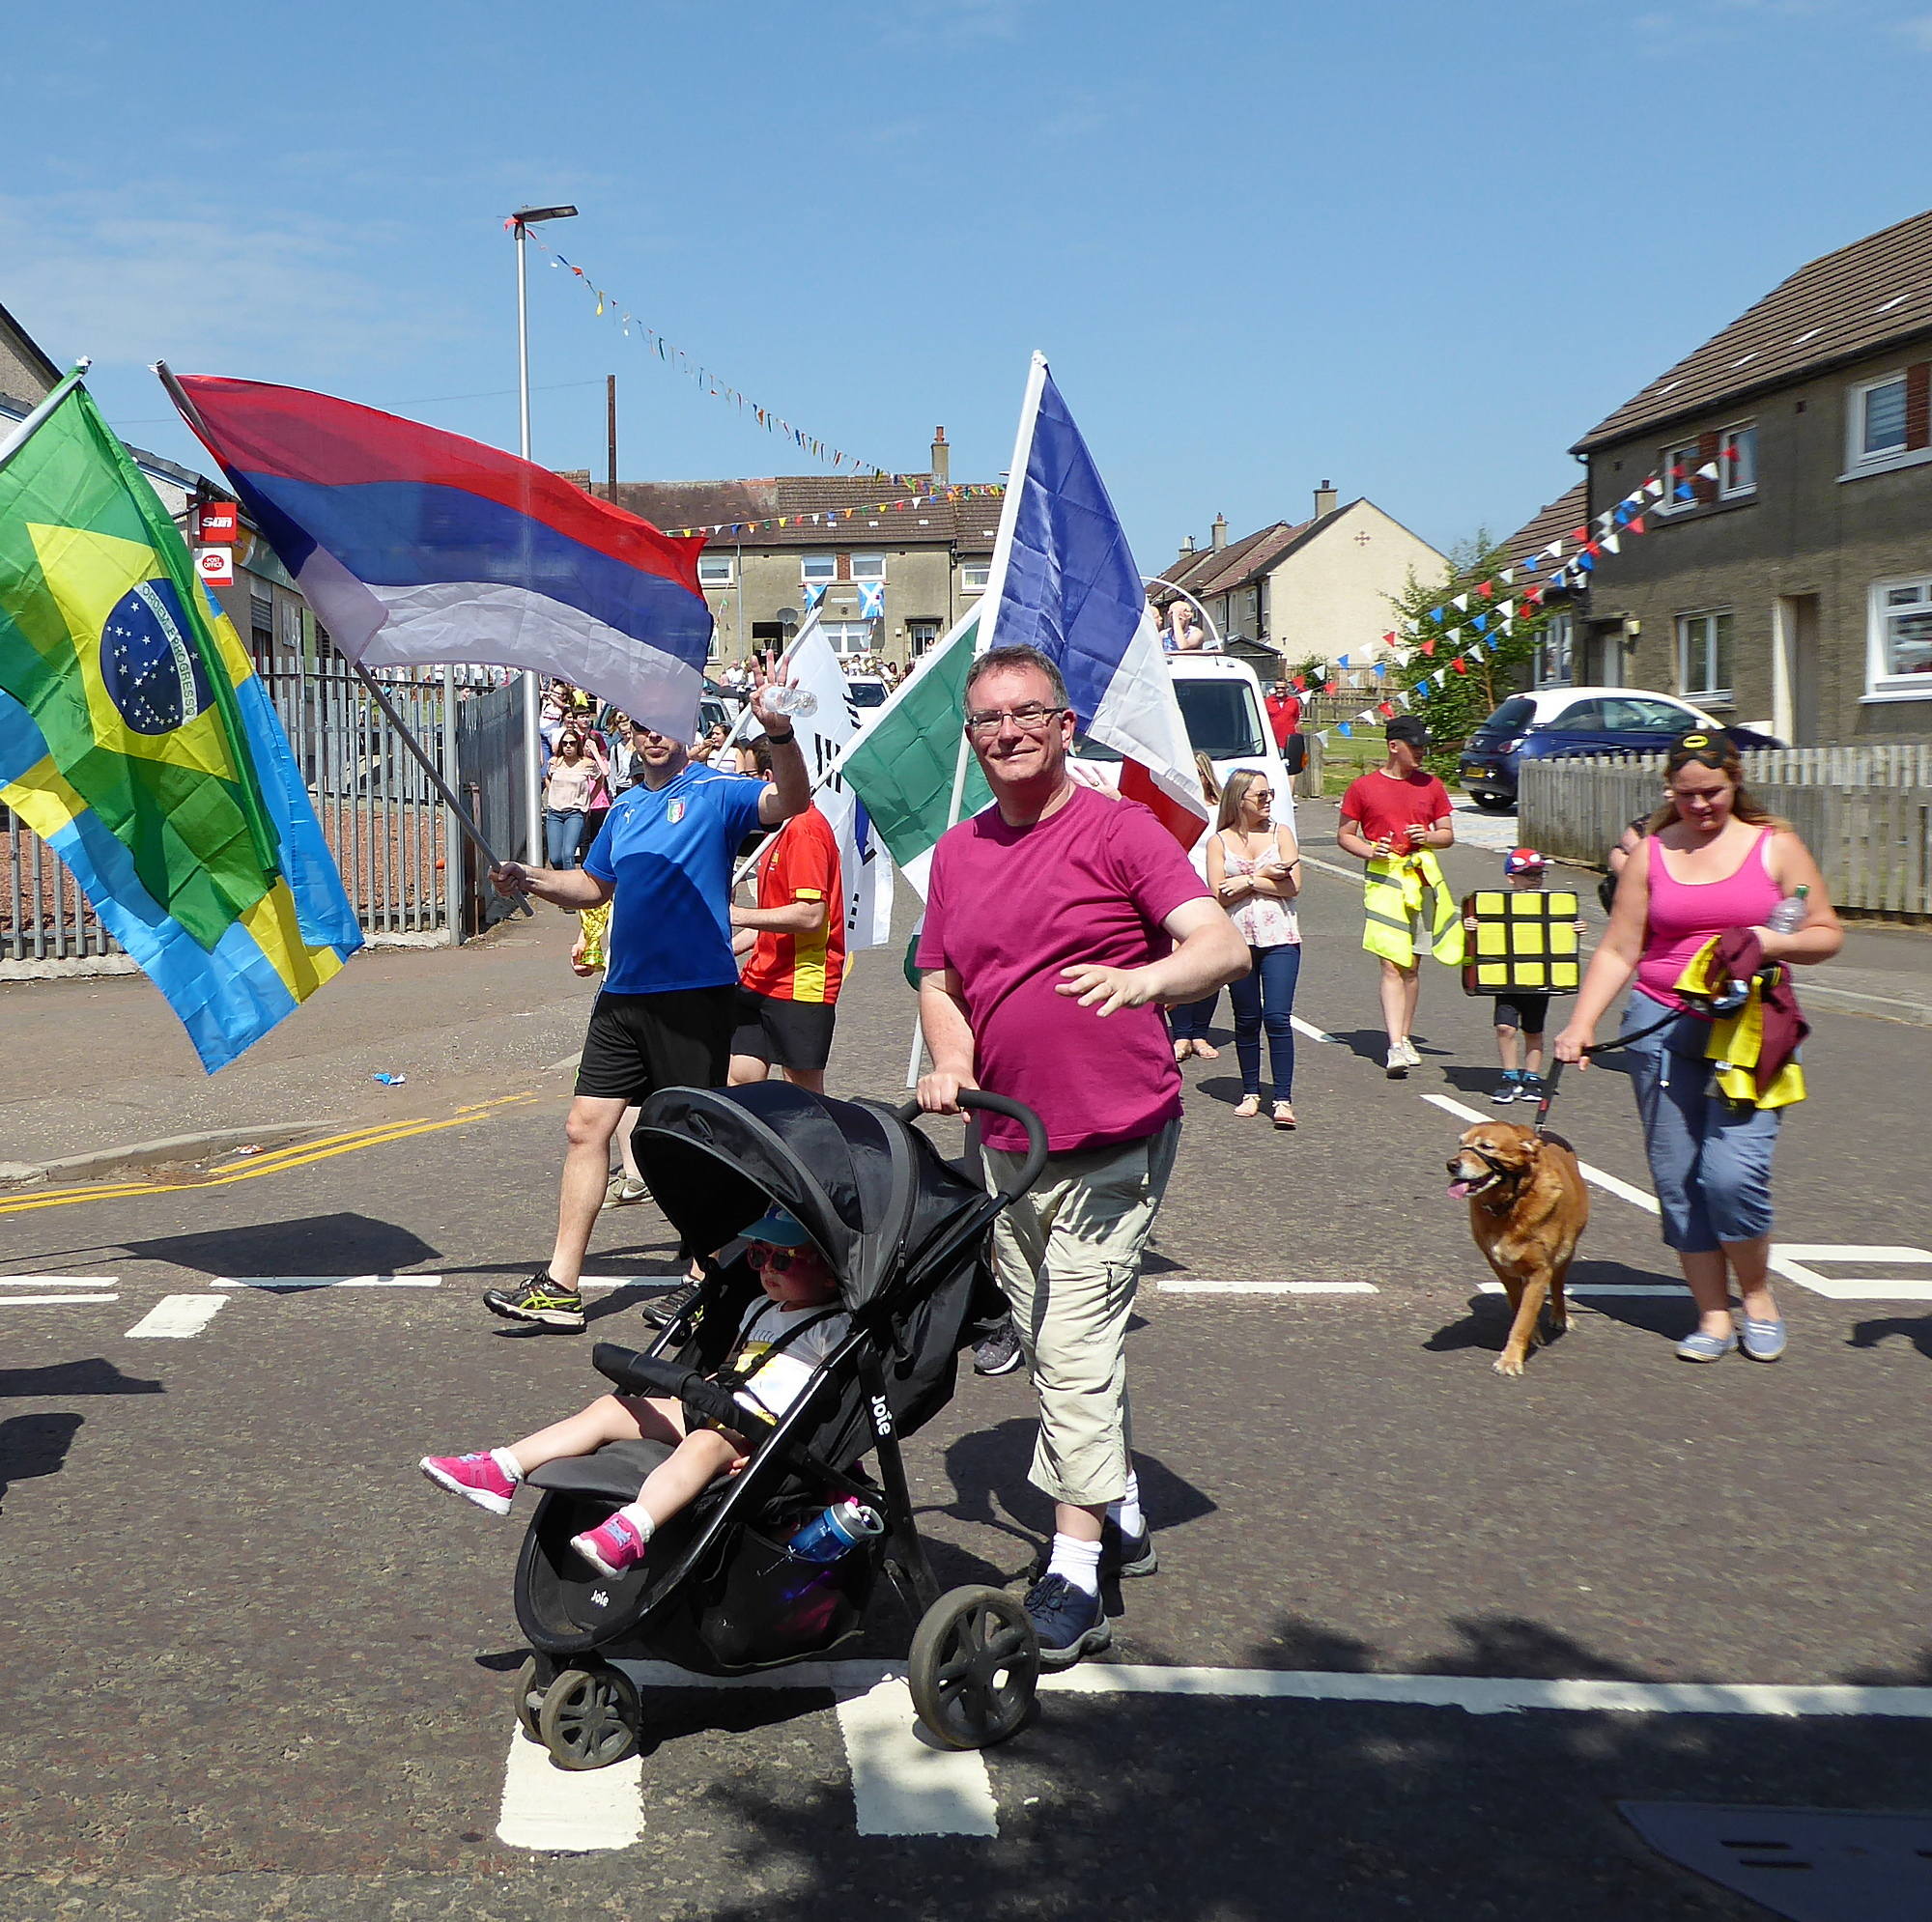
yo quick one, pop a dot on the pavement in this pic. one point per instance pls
(1418, 1633)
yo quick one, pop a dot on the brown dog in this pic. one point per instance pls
(1527, 1209)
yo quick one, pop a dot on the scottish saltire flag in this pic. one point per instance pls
(137, 742)
(414, 546)
(1064, 582)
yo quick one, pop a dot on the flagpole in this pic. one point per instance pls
(1010, 505)
(39, 417)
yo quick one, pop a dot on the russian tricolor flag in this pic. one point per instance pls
(414, 546)
(1064, 582)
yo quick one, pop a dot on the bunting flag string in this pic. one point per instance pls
(829, 516)
(708, 383)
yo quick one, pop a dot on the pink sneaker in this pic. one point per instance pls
(612, 1547)
(477, 1478)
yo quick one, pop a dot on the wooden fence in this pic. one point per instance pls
(1864, 813)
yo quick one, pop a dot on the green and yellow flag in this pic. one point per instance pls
(137, 742)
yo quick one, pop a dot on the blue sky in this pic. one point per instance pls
(1411, 248)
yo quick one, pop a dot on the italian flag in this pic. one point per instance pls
(911, 766)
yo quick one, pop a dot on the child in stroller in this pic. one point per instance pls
(779, 1340)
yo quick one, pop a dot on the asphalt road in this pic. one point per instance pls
(256, 1666)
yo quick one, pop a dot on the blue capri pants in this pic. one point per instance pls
(1710, 1160)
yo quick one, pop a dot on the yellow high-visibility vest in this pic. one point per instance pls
(1393, 892)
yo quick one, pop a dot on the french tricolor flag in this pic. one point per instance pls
(414, 546)
(1064, 582)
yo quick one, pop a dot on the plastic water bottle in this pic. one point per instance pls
(794, 701)
(836, 1533)
(1788, 917)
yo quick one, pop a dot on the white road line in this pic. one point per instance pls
(1628, 1291)
(1793, 1261)
(46, 1300)
(1267, 1288)
(568, 1061)
(577, 1811)
(295, 1283)
(1313, 1032)
(1349, 874)
(60, 1282)
(586, 1282)
(1638, 1198)
(902, 1785)
(178, 1317)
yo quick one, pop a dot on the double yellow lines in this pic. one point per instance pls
(277, 1161)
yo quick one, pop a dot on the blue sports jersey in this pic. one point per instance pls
(670, 851)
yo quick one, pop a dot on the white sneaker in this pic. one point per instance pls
(1409, 1052)
(1396, 1067)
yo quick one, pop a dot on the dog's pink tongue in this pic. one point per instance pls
(1458, 1191)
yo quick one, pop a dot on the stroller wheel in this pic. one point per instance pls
(591, 1717)
(534, 1677)
(973, 1665)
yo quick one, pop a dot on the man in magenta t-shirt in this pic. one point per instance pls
(1058, 923)
(1392, 819)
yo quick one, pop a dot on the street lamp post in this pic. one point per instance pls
(521, 220)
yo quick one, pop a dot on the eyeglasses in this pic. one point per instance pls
(1029, 718)
(778, 1260)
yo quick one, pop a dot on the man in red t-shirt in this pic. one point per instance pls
(1394, 819)
(1284, 715)
(788, 992)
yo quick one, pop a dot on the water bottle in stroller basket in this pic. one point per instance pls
(836, 1533)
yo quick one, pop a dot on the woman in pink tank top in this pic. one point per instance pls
(1714, 859)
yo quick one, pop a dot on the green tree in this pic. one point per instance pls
(1455, 703)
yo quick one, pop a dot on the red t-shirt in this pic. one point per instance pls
(801, 864)
(1384, 802)
(1284, 717)
(1007, 908)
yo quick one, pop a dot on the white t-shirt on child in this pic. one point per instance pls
(772, 1386)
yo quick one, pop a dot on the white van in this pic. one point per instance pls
(1221, 707)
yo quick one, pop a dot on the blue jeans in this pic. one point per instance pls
(563, 836)
(1190, 1019)
(1263, 998)
(1710, 1161)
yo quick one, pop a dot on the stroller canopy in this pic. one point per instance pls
(868, 1187)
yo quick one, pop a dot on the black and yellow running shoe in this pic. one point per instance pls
(539, 1300)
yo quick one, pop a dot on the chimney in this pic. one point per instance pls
(941, 459)
(1187, 547)
(1324, 501)
(1220, 533)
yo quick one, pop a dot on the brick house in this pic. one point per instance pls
(1793, 589)
(1299, 589)
(888, 583)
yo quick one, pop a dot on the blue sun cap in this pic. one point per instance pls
(778, 1227)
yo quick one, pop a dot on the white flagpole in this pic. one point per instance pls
(41, 413)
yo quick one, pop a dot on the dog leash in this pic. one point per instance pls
(1550, 1080)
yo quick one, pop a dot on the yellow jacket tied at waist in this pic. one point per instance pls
(1395, 890)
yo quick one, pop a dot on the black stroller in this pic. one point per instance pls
(721, 1594)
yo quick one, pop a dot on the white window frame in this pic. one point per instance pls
(968, 569)
(1556, 653)
(730, 576)
(1705, 695)
(1727, 490)
(1857, 398)
(1879, 685)
(1671, 504)
(849, 639)
(817, 567)
(868, 567)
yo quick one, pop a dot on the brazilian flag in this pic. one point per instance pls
(136, 740)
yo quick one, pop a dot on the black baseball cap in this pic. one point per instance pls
(1407, 728)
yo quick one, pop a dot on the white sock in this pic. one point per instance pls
(508, 1463)
(1126, 1514)
(634, 1513)
(1078, 1561)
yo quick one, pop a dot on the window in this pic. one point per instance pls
(1900, 652)
(1633, 714)
(974, 575)
(1578, 718)
(848, 637)
(1222, 718)
(717, 570)
(920, 634)
(1737, 462)
(1553, 661)
(1878, 419)
(1704, 656)
(817, 567)
(868, 567)
(1679, 471)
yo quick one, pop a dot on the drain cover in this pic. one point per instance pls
(1812, 1865)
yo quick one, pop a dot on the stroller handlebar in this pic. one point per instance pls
(977, 1098)
(651, 1374)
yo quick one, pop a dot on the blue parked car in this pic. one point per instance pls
(1554, 721)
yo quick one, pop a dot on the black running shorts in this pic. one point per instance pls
(1526, 1012)
(794, 1034)
(640, 1043)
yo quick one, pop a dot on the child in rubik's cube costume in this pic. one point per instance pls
(1523, 946)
